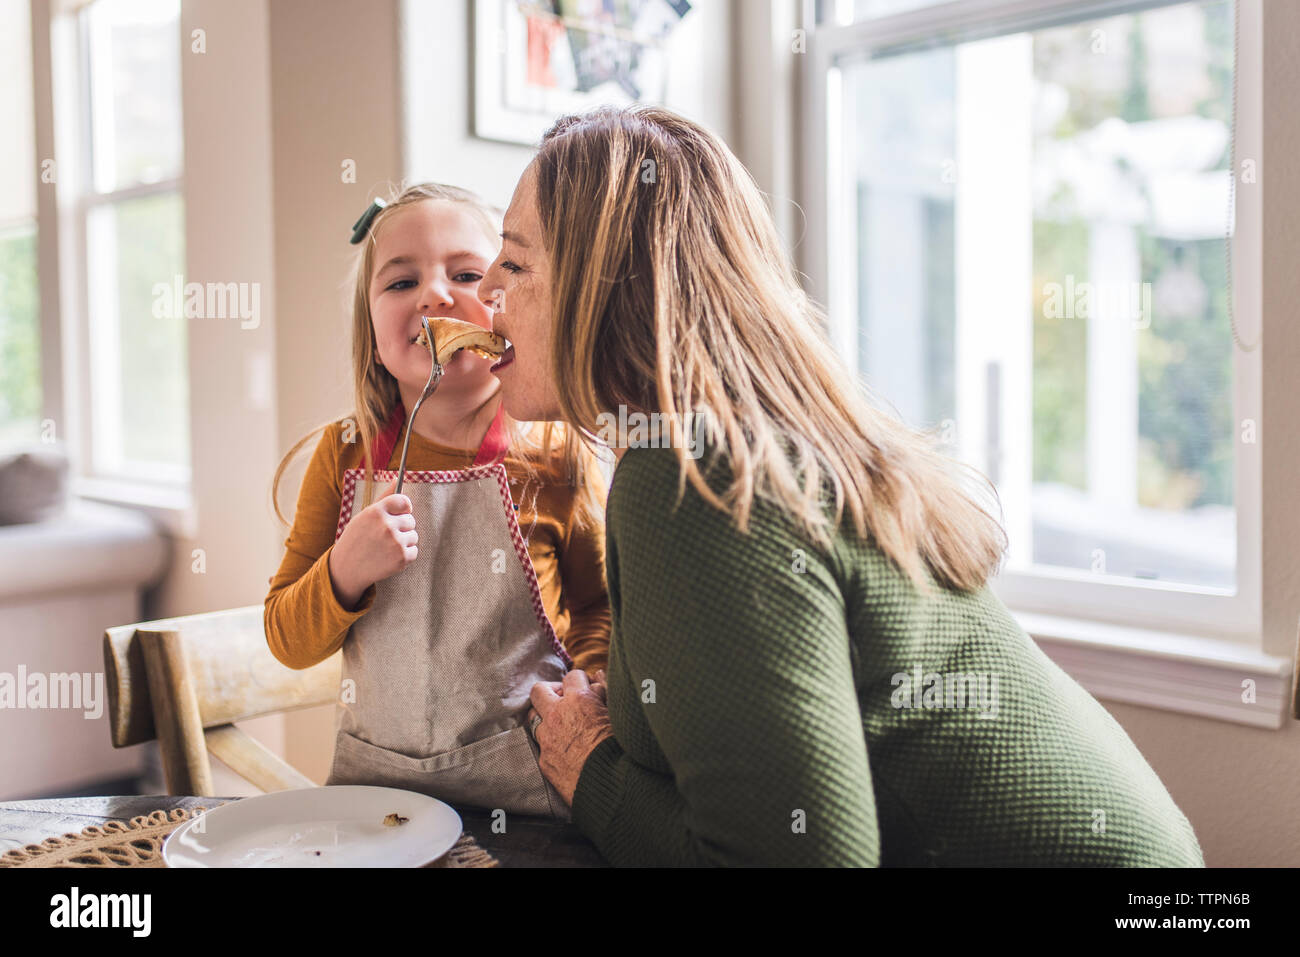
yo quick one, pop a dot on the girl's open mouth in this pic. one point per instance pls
(506, 358)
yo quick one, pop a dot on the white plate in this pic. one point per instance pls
(341, 826)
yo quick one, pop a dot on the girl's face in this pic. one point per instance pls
(428, 260)
(518, 283)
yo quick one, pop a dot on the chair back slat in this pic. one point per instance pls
(233, 674)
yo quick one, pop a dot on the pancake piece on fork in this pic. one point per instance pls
(452, 335)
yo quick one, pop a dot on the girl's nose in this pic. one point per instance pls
(435, 295)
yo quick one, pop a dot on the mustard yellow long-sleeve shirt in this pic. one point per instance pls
(305, 623)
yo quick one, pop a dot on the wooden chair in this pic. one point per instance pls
(187, 680)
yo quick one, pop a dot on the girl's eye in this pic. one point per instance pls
(403, 283)
(467, 277)
(509, 266)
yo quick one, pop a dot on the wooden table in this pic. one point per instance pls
(528, 841)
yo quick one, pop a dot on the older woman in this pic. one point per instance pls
(806, 664)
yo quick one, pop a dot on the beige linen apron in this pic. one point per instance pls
(437, 674)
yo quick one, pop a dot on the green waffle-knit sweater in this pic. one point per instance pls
(758, 692)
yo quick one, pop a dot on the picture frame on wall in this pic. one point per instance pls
(536, 60)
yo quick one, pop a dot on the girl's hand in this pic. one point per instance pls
(378, 542)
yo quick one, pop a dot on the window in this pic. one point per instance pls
(1029, 243)
(121, 173)
(20, 332)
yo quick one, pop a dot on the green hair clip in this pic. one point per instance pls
(362, 225)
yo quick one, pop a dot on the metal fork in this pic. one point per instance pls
(435, 375)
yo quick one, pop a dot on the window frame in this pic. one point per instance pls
(1230, 616)
(63, 108)
(12, 227)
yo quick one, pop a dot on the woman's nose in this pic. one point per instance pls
(491, 295)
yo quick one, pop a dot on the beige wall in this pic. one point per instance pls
(764, 107)
(1237, 785)
(1279, 437)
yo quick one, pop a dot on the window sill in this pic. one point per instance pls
(171, 508)
(1170, 672)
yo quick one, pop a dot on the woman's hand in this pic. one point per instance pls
(574, 721)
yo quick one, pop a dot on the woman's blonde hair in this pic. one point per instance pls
(681, 300)
(552, 445)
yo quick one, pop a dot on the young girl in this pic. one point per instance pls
(484, 576)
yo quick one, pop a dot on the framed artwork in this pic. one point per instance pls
(535, 60)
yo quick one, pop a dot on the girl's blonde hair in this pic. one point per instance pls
(680, 299)
(552, 445)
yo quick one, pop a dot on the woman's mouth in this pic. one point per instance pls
(506, 358)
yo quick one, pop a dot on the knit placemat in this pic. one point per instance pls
(138, 843)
